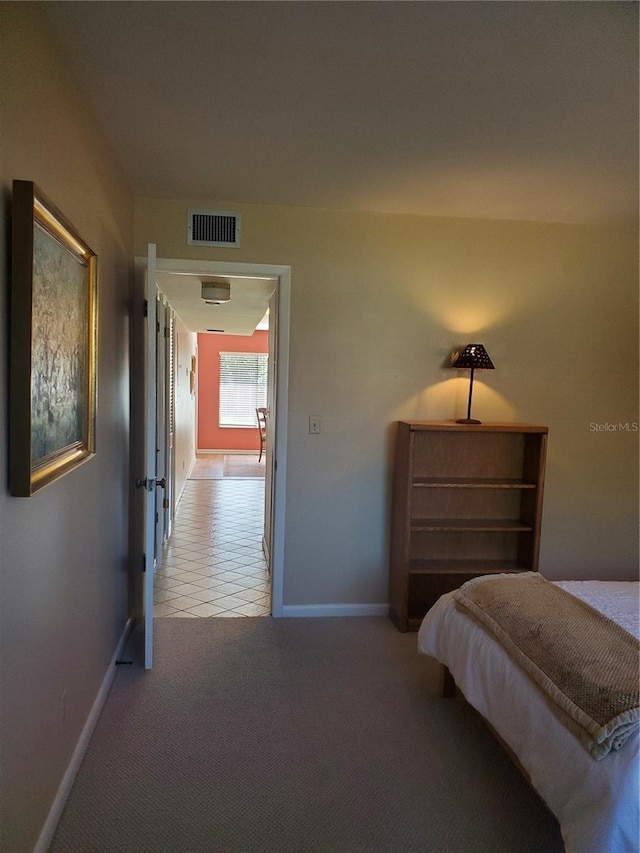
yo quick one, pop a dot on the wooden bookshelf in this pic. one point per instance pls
(467, 501)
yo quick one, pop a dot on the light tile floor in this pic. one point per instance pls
(213, 564)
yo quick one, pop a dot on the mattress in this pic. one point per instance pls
(596, 802)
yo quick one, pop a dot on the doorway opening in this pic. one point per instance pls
(215, 560)
(213, 563)
(227, 535)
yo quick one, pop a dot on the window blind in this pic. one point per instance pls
(243, 387)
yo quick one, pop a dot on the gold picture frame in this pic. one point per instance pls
(192, 375)
(53, 357)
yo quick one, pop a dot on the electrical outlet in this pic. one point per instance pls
(314, 425)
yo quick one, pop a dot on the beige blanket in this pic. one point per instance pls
(585, 663)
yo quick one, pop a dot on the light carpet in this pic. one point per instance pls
(243, 466)
(279, 735)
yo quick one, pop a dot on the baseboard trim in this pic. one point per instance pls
(222, 452)
(60, 799)
(335, 610)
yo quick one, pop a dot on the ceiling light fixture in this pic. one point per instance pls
(215, 291)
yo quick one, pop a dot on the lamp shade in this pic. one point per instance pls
(473, 356)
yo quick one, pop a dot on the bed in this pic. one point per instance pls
(596, 801)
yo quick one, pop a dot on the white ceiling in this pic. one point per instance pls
(517, 110)
(240, 316)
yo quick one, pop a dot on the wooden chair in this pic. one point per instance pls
(261, 414)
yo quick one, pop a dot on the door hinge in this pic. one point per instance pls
(144, 562)
(145, 310)
(166, 331)
(165, 503)
(156, 518)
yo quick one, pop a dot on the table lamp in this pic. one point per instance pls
(473, 357)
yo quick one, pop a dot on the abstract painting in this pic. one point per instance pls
(53, 344)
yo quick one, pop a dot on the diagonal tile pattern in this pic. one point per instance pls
(213, 564)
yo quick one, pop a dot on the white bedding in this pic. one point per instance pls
(596, 802)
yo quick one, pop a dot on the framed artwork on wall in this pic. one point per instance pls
(53, 357)
(192, 376)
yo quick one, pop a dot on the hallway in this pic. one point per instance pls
(213, 564)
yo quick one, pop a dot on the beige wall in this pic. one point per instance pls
(377, 303)
(63, 552)
(185, 436)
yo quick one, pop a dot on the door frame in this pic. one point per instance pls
(162, 425)
(271, 413)
(170, 348)
(282, 280)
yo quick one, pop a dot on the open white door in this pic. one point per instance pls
(161, 425)
(149, 481)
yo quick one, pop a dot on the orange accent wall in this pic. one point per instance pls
(210, 436)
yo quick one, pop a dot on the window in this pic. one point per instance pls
(243, 387)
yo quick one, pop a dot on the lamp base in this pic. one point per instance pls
(468, 421)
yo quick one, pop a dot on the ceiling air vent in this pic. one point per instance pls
(213, 228)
